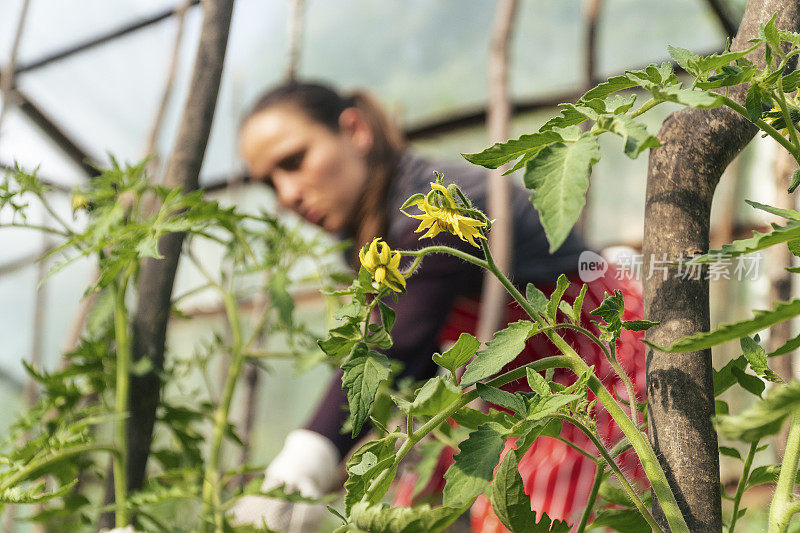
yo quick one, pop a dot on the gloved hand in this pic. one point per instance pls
(308, 464)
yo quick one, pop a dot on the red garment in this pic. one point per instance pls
(557, 477)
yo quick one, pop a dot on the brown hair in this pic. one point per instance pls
(324, 105)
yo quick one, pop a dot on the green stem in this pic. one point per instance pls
(120, 462)
(769, 130)
(647, 106)
(211, 477)
(37, 227)
(442, 416)
(748, 462)
(41, 465)
(618, 472)
(783, 504)
(786, 115)
(647, 456)
(587, 511)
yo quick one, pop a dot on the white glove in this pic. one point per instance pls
(308, 464)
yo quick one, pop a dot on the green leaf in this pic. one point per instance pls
(764, 418)
(602, 91)
(795, 180)
(501, 153)
(730, 452)
(434, 396)
(341, 340)
(724, 378)
(685, 59)
(577, 306)
(430, 452)
(536, 298)
(536, 382)
(794, 247)
(417, 519)
(715, 61)
(387, 315)
(509, 501)
(753, 102)
(278, 287)
(473, 419)
(623, 520)
(766, 474)
(751, 384)
(502, 398)
(552, 306)
(412, 200)
(757, 357)
(638, 325)
(473, 466)
(506, 345)
(532, 431)
(610, 310)
(721, 407)
(458, 354)
(364, 466)
(769, 33)
(726, 332)
(634, 134)
(364, 371)
(559, 177)
(791, 214)
(758, 241)
(791, 345)
(543, 406)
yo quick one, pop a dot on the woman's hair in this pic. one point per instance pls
(324, 105)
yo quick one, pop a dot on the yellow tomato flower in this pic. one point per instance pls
(446, 217)
(383, 264)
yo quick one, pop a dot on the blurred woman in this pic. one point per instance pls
(337, 161)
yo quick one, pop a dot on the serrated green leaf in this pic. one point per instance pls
(500, 153)
(685, 59)
(506, 345)
(753, 102)
(577, 306)
(764, 418)
(559, 177)
(364, 466)
(736, 330)
(539, 428)
(278, 287)
(388, 316)
(458, 354)
(791, 345)
(473, 467)
(473, 419)
(417, 519)
(758, 241)
(434, 396)
(605, 89)
(715, 61)
(634, 134)
(502, 398)
(769, 33)
(766, 474)
(757, 357)
(536, 382)
(795, 180)
(540, 406)
(610, 310)
(791, 214)
(364, 371)
(509, 501)
(536, 298)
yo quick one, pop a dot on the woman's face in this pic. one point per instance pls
(317, 173)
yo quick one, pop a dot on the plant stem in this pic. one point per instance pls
(783, 504)
(748, 462)
(40, 465)
(769, 130)
(587, 511)
(786, 115)
(211, 475)
(121, 404)
(617, 471)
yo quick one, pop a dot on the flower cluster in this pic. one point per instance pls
(774, 117)
(383, 265)
(441, 213)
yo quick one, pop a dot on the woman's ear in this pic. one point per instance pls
(354, 127)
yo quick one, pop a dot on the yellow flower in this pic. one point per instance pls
(774, 117)
(446, 217)
(383, 264)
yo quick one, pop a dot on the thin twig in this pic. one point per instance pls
(7, 77)
(295, 38)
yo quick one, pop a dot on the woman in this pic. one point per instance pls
(339, 163)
